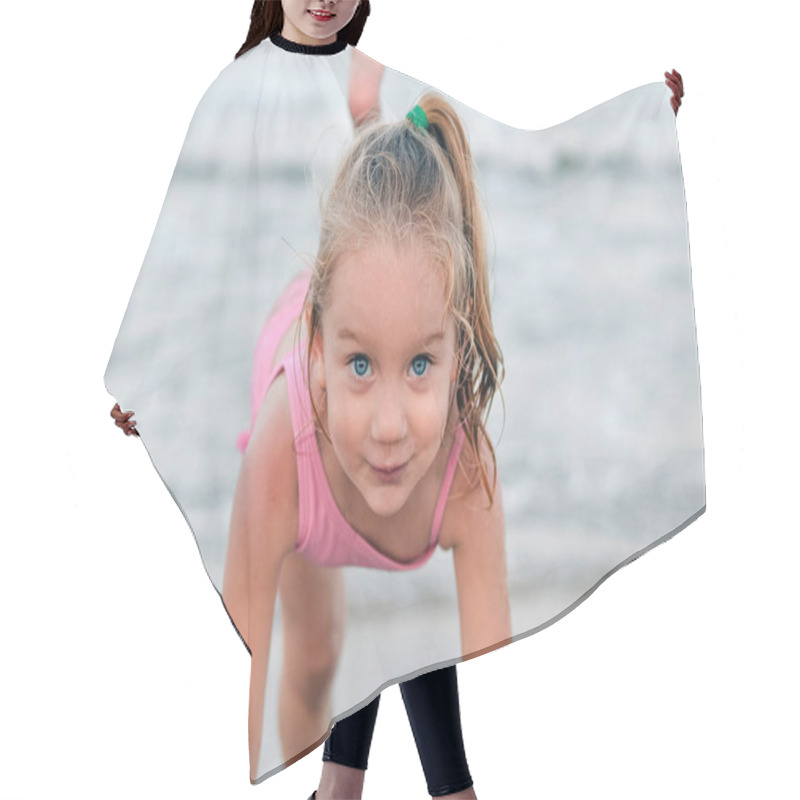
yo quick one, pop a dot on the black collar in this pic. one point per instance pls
(308, 49)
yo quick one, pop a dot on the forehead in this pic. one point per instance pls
(384, 293)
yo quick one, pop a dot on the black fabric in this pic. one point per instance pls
(308, 49)
(351, 737)
(434, 713)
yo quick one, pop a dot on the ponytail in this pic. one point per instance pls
(479, 352)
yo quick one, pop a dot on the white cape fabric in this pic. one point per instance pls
(598, 435)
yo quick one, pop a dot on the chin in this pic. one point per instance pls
(386, 501)
(386, 504)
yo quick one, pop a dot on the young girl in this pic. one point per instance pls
(372, 379)
(431, 699)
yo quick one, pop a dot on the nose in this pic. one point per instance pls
(389, 422)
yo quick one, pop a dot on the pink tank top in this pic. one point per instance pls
(324, 535)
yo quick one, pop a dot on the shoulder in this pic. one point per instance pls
(270, 460)
(468, 506)
(363, 64)
(238, 83)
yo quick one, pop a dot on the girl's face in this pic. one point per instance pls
(315, 21)
(387, 361)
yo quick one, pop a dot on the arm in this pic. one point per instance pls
(262, 531)
(365, 85)
(480, 567)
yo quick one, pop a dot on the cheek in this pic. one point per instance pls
(430, 412)
(350, 8)
(342, 406)
(290, 10)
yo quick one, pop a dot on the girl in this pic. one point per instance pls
(372, 379)
(431, 699)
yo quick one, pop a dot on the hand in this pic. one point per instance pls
(123, 420)
(675, 82)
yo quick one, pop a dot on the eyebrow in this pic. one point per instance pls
(346, 333)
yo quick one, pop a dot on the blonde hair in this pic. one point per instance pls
(399, 183)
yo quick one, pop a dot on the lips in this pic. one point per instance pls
(322, 16)
(389, 471)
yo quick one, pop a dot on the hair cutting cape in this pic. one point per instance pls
(598, 435)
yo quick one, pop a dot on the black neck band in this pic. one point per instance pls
(308, 49)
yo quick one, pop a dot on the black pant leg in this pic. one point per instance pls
(350, 738)
(435, 716)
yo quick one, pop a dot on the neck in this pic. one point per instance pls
(317, 49)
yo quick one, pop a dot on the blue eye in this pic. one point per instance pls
(361, 364)
(419, 364)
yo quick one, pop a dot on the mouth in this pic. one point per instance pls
(390, 472)
(322, 16)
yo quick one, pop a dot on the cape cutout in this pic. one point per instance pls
(598, 434)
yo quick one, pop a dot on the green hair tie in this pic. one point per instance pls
(418, 117)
